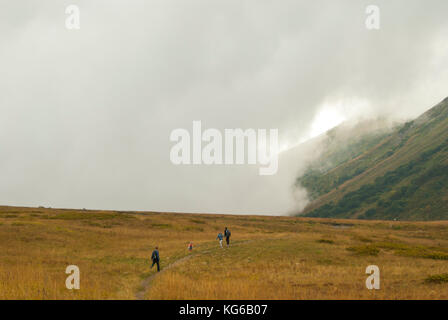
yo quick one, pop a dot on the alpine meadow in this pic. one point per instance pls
(223, 159)
(268, 258)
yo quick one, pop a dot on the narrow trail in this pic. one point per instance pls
(146, 283)
(140, 295)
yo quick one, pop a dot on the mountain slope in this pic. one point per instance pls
(403, 175)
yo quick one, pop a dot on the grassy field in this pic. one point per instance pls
(269, 257)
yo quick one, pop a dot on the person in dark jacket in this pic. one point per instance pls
(155, 258)
(227, 235)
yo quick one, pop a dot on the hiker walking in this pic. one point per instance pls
(220, 237)
(227, 235)
(190, 246)
(155, 258)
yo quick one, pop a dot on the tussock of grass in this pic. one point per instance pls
(367, 250)
(436, 255)
(325, 241)
(193, 228)
(362, 239)
(401, 249)
(88, 215)
(413, 251)
(18, 224)
(197, 221)
(437, 278)
(10, 216)
(162, 225)
(97, 224)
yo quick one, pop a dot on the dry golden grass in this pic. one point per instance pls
(270, 257)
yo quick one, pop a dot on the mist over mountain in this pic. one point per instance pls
(396, 173)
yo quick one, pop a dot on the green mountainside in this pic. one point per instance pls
(399, 173)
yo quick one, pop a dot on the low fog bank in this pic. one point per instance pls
(86, 114)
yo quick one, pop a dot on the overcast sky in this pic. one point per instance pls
(86, 115)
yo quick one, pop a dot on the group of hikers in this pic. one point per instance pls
(226, 235)
(155, 256)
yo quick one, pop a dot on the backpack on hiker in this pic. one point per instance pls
(154, 256)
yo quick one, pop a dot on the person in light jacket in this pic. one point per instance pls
(220, 237)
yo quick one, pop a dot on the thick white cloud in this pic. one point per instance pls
(85, 116)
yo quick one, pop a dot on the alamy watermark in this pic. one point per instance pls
(226, 149)
(373, 280)
(72, 281)
(72, 21)
(373, 21)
